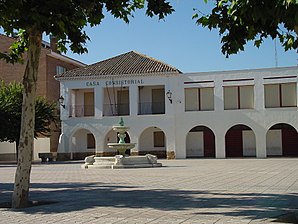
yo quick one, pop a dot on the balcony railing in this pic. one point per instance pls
(152, 108)
(116, 109)
(81, 111)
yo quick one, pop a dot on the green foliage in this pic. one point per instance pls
(66, 19)
(10, 111)
(16, 49)
(240, 21)
(11, 97)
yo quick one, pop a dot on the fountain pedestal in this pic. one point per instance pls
(121, 161)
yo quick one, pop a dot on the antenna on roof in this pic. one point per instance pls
(275, 54)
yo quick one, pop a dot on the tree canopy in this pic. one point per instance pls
(240, 21)
(67, 19)
(11, 97)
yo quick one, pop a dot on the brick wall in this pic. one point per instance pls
(46, 84)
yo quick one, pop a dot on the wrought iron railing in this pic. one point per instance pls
(81, 110)
(120, 109)
(151, 108)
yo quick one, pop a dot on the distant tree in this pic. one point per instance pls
(11, 97)
(240, 21)
(65, 20)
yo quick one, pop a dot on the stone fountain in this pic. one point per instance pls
(121, 161)
(121, 146)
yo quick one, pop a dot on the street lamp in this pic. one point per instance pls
(61, 100)
(169, 95)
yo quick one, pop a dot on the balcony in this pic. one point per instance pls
(152, 108)
(81, 111)
(116, 109)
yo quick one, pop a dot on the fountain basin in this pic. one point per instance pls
(120, 129)
(121, 147)
(121, 162)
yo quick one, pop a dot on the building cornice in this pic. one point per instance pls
(65, 58)
(96, 77)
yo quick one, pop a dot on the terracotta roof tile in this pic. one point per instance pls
(125, 64)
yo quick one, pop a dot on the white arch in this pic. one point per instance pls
(275, 141)
(82, 126)
(78, 145)
(268, 127)
(194, 145)
(200, 125)
(240, 124)
(149, 146)
(249, 143)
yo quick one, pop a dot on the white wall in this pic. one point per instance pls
(41, 145)
(79, 141)
(6, 147)
(195, 144)
(146, 142)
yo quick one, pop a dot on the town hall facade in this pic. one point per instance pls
(245, 113)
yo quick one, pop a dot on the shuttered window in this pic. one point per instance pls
(238, 97)
(280, 95)
(199, 99)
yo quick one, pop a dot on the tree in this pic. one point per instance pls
(66, 21)
(11, 97)
(240, 21)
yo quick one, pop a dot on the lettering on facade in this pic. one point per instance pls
(124, 82)
(117, 82)
(93, 83)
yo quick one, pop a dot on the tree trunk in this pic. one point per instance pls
(22, 175)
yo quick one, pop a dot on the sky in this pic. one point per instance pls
(178, 41)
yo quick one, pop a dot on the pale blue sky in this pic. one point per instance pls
(177, 41)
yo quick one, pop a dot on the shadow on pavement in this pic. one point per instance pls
(80, 196)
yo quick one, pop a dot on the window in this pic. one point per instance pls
(60, 70)
(159, 139)
(199, 99)
(90, 141)
(88, 104)
(238, 97)
(280, 95)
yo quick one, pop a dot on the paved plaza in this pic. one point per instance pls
(183, 191)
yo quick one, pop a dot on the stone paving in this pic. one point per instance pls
(183, 191)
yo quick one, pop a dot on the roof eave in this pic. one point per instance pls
(63, 78)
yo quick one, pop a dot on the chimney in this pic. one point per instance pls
(53, 43)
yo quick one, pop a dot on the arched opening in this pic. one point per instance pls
(200, 142)
(153, 141)
(83, 144)
(240, 141)
(112, 137)
(282, 140)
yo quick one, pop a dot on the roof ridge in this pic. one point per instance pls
(131, 62)
(154, 59)
(109, 59)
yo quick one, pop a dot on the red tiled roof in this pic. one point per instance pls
(125, 64)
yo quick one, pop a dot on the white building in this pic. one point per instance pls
(247, 113)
